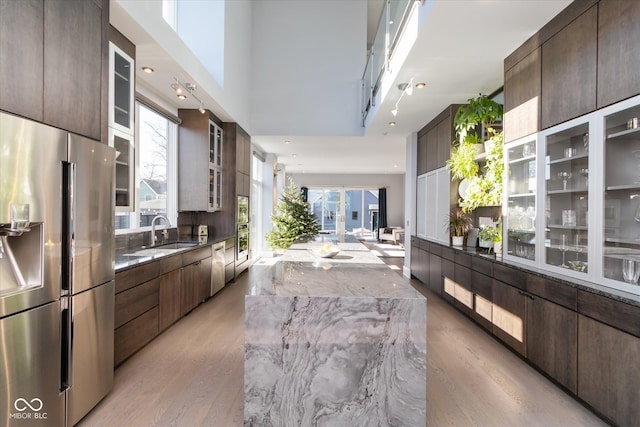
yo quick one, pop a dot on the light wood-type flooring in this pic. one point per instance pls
(192, 375)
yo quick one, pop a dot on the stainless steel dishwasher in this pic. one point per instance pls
(217, 268)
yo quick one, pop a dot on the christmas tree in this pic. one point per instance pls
(291, 220)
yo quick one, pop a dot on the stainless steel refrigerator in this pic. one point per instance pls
(56, 274)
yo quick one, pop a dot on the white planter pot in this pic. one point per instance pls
(457, 241)
(484, 243)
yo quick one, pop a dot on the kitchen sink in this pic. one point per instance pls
(162, 250)
(175, 245)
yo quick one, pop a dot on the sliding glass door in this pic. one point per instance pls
(345, 210)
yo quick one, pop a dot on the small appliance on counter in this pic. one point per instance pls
(203, 233)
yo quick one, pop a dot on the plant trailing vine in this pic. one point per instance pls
(485, 183)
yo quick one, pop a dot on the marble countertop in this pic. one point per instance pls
(354, 272)
(126, 259)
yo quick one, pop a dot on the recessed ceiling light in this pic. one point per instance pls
(182, 96)
(147, 70)
(287, 142)
(392, 123)
(420, 85)
(294, 155)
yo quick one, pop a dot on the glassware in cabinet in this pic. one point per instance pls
(520, 158)
(567, 197)
(621, 204)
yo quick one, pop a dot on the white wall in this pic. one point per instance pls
(291, 42)
(141, 22)
(393, 182)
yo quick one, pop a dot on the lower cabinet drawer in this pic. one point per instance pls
(135, 301)
(132, 336)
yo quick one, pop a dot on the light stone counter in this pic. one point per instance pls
(333, 342)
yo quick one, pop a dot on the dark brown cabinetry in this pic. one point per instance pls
(153, 296)
(22, 47)
(586, 341)
(195, 279)
(522, 86)
(56, 55)
(551, 338)
(618, 50)
(569, 63)
(509, 315)
(609, 371)
(73, 66)
(169, 299)
(434, 141)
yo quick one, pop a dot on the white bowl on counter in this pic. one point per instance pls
(326, 251)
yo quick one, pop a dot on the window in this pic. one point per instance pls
(170, 13)
(345, 210)
(155, 171)
(257, 191)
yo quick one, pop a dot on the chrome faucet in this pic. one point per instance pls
(165, 233)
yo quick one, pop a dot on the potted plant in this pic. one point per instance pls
(491, 237)
(459, 224)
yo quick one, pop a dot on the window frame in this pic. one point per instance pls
(172, 174)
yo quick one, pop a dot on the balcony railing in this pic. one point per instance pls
(392, 22)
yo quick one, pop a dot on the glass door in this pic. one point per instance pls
(621, 207)
(566, 198)
(345, 210)
(520, 224)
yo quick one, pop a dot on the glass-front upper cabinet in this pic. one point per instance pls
(215, 167)
(124, 145)
(520, 196)
(121, 94)
(566, 193)
(621, 205)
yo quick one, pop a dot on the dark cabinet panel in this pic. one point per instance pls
(73, 48)
(445, 137)
(564, 295)
(169, 299)
(204, 280)
(569, 62)
(432, 149)
(417, 266)
(481, 265)
(614, 313)
(134, 276)
(618, 57)
(422, 154)
(133, 335)
(552, 333)
(509, 315)
(481, 285)
(510, 275)
(188, 288)
(522, 86)
(435, 273)
(21, 67)
(609, 371)
(135, 301)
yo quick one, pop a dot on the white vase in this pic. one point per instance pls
(484, 243)
(457, 241)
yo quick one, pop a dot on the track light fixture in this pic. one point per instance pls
(178, 86)
(406, 88)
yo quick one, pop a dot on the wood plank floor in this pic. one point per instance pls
(192, 375)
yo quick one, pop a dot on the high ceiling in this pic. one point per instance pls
(458, 53)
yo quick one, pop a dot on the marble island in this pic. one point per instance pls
(333, 342)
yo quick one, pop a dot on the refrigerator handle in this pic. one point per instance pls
(68, 215)
(65, 342)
